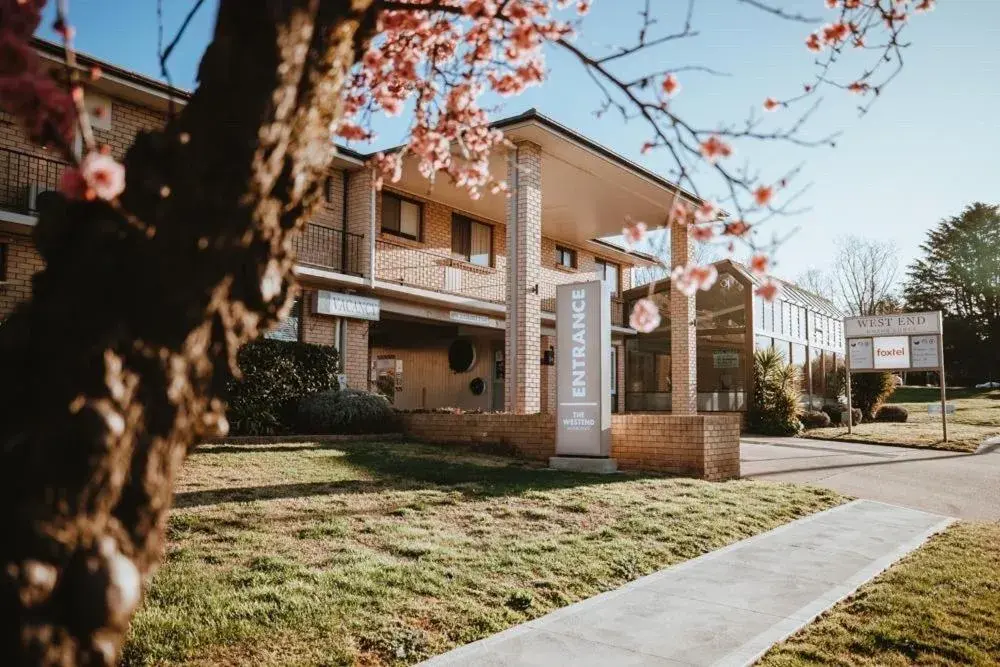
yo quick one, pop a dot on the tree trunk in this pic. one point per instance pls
(117, 365)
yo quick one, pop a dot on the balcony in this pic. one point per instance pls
(399, 263)
(23, 177)
(331, 249)
(548, 293)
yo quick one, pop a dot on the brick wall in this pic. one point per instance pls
(22, 263)
(704, 446)
(683, 333)
(354, 354)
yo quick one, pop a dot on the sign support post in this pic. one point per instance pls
(850, 405)
(944, 402)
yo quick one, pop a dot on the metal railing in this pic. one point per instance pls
(23, 177)
(437, 271)
(330, 248)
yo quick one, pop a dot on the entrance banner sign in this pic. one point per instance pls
(891, 352)
(583, 370)
(901, 342)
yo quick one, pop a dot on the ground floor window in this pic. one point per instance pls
(289, 328)
(723, 371)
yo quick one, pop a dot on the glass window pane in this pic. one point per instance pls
(390, 213)
(288, 328)
(481, 243)
(409, 219)
(612, 278)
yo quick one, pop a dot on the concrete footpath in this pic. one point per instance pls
(724, 608)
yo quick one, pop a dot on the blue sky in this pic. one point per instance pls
(928, 147)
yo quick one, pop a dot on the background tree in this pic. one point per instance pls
(959, 274)
(94, 426)
(865, 274)
(818, 281)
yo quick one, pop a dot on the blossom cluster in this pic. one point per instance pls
(442, 60)
(27, 91)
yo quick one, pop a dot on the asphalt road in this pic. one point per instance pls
(966, 486)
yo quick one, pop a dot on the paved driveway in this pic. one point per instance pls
(960, 485)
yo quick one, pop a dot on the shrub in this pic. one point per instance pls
(833, 412)
(774, 404)
(815, 419)
(275, 375)
(891, 413)
(346, 411)
(869, 391)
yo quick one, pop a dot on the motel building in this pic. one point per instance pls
(438, 300)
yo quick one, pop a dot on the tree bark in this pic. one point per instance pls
(117, 365)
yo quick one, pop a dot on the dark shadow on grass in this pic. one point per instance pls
(395, 466)
(250, 449)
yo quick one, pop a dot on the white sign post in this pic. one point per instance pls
(904, 342)
(583, 378)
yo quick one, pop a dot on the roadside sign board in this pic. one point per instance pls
(900, 342)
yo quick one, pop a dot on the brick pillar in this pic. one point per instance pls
(683, 341)
(524, 238)
(354, 353)
(360, 186)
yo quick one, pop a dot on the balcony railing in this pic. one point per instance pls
(437, 271)
(548, 293)
(330, 248)
(23, 177)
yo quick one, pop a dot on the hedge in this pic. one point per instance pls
(275, 375)
(346, 411)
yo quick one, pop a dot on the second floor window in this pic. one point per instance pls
(401, 217)
(565, 257)
(471, 240)
(610, 273)
(289, 328)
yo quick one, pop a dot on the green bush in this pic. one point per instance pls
(869, 391)
(774, 403)
(815, 419)
(275, 375)
(891, 413)
(346, 411)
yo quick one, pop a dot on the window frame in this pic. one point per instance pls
(604, 264)
(398, 232)
(560, 251)
(466, 256)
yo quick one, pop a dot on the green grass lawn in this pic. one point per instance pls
(939, 606)
(381, 554)
(976, 418)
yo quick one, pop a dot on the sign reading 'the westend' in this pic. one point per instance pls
(905, 324)
(583, 370)
(346, 305)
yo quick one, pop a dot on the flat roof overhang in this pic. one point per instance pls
(587, 190)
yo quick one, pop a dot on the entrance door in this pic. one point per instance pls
(499, 374)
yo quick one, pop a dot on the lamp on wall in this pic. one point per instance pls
(549, 356)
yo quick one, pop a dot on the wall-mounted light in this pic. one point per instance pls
(549, 356)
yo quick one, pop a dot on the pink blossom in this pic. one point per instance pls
(671, 86)
(691, 278)
(633, 231)
(680, 213)
(858, 87)
(771, 104)
(105, 177)
(769, 290)
(645, 316)
(762, 195)
(714, 148)
(924, 6)
(706, 211)
(702, 233)
(736, 228)
(71, 184)
(759, 264)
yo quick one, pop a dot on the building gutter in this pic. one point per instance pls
(512, 265)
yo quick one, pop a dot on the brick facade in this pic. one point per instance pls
(354, 353)
(704, 446)
(683, 335)
(22, 261)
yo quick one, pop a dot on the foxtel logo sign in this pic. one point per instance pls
(891, 351)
